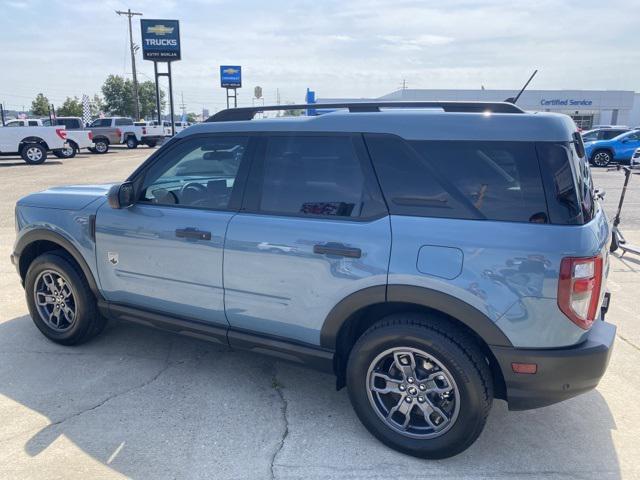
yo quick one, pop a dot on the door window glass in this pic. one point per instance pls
(315, 175)
(197, 173)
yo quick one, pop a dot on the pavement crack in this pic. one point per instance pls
(285, 419)
(629, 342)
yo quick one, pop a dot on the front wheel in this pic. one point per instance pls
(68, 152)
(420, 386)
(33, 153)
(602, 158)
(60, 300)
(100, 146)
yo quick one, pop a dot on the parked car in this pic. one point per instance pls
(603, 133)
(618, 149)
(179, 126)
(31, 143)
(635, 159)
(121, 130)
(77, 137)
(432, 260)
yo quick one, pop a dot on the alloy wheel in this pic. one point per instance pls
(601, 159)
(55, 301)
(34, 154)
(413, 393)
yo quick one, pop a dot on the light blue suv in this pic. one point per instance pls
(617, 149)
(433, 256)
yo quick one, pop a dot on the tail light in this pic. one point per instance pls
(90, 135)
(579, 289)
(144, 130)
(61, 133)
(118, 132)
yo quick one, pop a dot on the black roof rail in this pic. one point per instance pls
(247, 113)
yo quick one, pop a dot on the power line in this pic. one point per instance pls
(136, 100)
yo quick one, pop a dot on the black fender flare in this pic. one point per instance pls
(33, 139)
(465, 313)
(43, 234)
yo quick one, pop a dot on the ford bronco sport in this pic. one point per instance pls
(434, 256)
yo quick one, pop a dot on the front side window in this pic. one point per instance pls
(199, 172)
(101, 122)
(591, 136)
(312, 176)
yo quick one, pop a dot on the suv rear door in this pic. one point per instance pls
(313, 229)
(164, 253)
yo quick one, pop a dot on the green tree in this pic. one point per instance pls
(147, 96)
(118, 95)
(40, 105)
(96, 105)
(192, 117)
(72, 107)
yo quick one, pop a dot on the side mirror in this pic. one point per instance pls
(121, 195)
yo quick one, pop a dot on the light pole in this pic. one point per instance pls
(136, 100)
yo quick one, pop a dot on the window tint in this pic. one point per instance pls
(33, 123)
(69, 123)
(609, 134)
(561, 173)
(460, 179)
(634, 136)
(315, 175)
(591, 136)
(198, 173)
(101, 122)
(123, 121)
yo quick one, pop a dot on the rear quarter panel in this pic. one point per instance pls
(509, 271)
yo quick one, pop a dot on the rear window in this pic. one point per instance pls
(460, 179)
(69, 123)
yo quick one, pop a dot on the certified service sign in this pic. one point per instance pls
(160, 40)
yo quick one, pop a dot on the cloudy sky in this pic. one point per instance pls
(345, 48)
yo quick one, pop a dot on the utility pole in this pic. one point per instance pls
(130, 14)
(182, 105)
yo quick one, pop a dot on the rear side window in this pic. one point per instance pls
(312, 176)
(567, 181)
(609, 134)
(123, 121)
(460, 179)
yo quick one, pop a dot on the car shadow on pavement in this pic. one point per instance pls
(151, 404)
(21, 163)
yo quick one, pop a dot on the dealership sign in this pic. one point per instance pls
(160, 40)
(558, 102)
(230, 76)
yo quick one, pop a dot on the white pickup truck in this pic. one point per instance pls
(115, 130)
(77, 137)
(32, 143)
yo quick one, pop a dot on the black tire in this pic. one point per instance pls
(101, 146)
(67, 152)
(601, 158)
(152, 144)
(87, 321)
(33, 153)
(455, 350)
(131, 142)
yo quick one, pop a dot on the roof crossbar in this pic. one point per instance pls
(247, 113)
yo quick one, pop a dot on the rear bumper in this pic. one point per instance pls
(561, 373)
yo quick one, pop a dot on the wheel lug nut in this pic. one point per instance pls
(422, 387)
(402, 388)
(421, 399)
(408, 399)
(410, 379)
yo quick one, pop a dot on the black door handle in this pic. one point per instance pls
(193, 233)
(337, 249)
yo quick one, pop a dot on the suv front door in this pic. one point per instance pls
(165, 252)
(313, 229)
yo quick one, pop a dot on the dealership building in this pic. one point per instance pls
(586, 107)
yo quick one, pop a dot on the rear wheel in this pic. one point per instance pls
(152, 144)
(420, 386)
(101, 146)
(132, 142)
(601, 158)
(60, 301)
(33, 153)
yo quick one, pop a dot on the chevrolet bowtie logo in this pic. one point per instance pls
(160, 29)
(230, 71)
